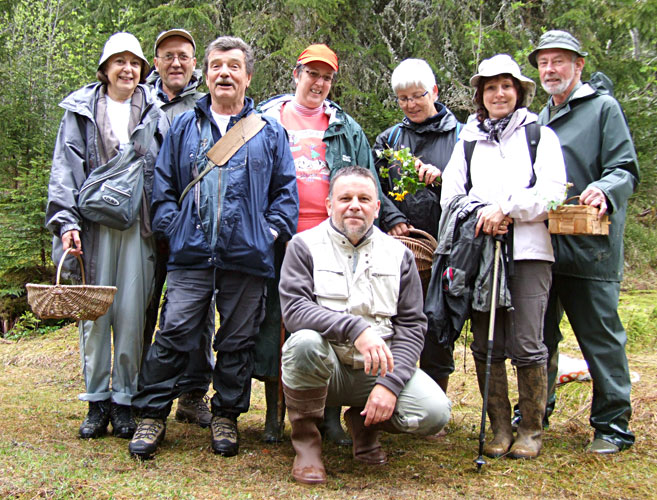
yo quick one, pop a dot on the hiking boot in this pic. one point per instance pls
(601, 447)
(532, 395)
(193, 408)
(149, 434)
(225, 439)
(95, 423)
(306, 410)
(331, 428)
(273, 432)
(123, 423)
(498, 408)
(367, 448)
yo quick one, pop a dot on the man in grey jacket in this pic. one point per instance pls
(174, 83)
(602, 165)
(351, 296)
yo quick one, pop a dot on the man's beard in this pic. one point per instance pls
(559, 88)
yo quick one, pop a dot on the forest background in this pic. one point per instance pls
(49, 48)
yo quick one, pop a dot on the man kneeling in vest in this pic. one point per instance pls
(351, 296)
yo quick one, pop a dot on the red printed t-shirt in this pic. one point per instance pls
(305, 128)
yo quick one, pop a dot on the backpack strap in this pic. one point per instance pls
(468, 150)
(533, 136)
(396, 132)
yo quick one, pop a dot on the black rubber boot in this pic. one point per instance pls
(331, 428)
(273, 429)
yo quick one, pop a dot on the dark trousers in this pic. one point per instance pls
(239, 300)
(199, 367)
(436, 359)
(592, 309)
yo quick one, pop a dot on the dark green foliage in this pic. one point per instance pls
(50, 48)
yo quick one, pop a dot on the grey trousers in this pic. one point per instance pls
(309, 362)
(518, 334)
(126, 261)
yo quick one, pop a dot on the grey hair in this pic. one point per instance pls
(411, 72)
(224, 43)
(354, 170)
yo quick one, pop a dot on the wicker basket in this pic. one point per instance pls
(78, 302)
(577, 219)
(422, 244)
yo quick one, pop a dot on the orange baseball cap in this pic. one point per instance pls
(319, 52)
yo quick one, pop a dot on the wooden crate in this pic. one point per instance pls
(577, 219)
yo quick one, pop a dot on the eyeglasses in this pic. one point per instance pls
(410, 100)
(314, 75)
(182, 58)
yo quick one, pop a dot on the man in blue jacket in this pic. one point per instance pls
(220, 237)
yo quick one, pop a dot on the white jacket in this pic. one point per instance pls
(500, 174)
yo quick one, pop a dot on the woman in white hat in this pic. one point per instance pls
(501, 174)
(101, 120)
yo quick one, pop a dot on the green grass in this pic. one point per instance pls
(41, 456)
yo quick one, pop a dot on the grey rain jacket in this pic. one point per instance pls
(76, 154)
(184, 101)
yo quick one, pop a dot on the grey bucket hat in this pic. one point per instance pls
(556, 39)
(502, 64)
(121, 42)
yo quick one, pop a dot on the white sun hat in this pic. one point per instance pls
(502, 64)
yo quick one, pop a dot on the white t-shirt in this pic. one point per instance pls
(221, 121)
(119, 117)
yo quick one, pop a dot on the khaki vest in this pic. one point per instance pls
(370, 290)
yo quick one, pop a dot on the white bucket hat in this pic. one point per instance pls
(502, 64)
(120, 42)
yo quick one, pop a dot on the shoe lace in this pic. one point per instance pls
(202, 404)
(224, 427)
(147, 430)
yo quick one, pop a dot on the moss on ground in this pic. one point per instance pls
(40, 455)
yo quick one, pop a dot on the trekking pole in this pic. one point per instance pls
(489, 353)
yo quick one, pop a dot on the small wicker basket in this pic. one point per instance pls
(422, 244)
(577, 219)
(87, 302)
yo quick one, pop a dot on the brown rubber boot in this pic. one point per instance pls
(367, 448)
(532, 396)
(306, 410)
(443, 383)
(498, 409)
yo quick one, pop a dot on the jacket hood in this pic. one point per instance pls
(155, 81)
(272, 107)
(520, 118)
(442, 122)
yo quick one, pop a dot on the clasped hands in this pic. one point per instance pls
(492, 220)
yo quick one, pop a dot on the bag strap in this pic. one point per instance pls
(224, 149)
(142, 138)
(533, 137)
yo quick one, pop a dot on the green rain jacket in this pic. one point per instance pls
(599, 152)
